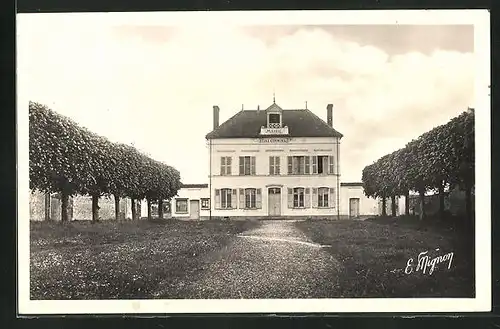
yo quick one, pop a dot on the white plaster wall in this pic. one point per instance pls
(262, 151)
(191, 194)
(367, 206)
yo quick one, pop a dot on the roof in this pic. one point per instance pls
(351, 184)
(247, 124)
(194, 186)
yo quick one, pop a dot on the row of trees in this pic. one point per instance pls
(69, 159)
(440, 158)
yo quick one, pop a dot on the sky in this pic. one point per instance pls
(154, 86)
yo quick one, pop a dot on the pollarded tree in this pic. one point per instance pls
(58, 154)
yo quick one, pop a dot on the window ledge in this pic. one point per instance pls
(181, 212)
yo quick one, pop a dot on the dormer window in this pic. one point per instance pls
(274, 120)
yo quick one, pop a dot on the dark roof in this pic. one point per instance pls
(247, 124)
(194, 186)
(351, 184)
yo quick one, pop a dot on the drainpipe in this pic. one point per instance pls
(338, 180)
(210, 180)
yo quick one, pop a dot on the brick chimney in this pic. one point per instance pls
(329, 115)
(216, 116)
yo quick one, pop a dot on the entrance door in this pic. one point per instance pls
(194, 209)
(274, 198)
(354, 207)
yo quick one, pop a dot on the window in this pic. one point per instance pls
(226, 198)
(181, 206)
(274, 165)
(274, 120)
(205, 203)
(225, 166)
(322, 164)
(298, 165)
(298, 197)
(323, 197)
(250, 198)
(247, 165)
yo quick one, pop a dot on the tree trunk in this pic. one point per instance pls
(117, 207)
(95, 208)
(407, 203)
(64, 206)
(150, 217)
(384, 207)
(160, 209)
(422, 205)
(393, 205)
(47, 206)
(134, 214)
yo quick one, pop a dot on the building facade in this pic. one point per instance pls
(276, 163)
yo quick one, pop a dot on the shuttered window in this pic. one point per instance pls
(225, 166)
(247, 165)
(331, 164)
(274, 165)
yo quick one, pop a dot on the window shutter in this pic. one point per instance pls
(290, 198)
(314, 165)
(271, 165)
(242, 198)
(229, 161)
(289, 165)
(222, 165)
(277, 165)
(252, 165)
(217, 199)
(307, 198)
(331, 198)
(307, 165)
(258, 198)
(233, 199)
(242, 172)
(330, 165)
(315, 197)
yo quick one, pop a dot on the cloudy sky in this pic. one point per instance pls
(155, 85)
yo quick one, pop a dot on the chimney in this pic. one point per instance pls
(216, 116)
(329, 115)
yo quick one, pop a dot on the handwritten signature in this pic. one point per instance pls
(424, 262)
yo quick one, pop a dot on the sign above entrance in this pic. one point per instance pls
(275, 140)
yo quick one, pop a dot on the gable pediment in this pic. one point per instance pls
(274, 108)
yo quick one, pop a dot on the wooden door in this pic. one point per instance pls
(274, 201)
(194, 209)
(353, 207)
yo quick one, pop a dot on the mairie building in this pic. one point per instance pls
(274, 163)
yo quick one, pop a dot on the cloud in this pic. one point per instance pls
(155, 86)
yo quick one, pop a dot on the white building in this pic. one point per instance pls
(274, 163)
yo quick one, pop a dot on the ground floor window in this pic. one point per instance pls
(205, 203)
(323, 197)
(250, 198)
(181, 206)
(225, 198)
(298, 197)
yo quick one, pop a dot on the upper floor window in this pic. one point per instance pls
(274, 165)
(247, 165)
(323, 164)
(298, 165)
(225, 166)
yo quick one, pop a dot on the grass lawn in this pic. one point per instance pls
(374, 254)
(82, 260)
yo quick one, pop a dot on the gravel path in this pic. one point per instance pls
(275, 260)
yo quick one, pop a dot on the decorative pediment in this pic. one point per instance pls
(274, 108)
